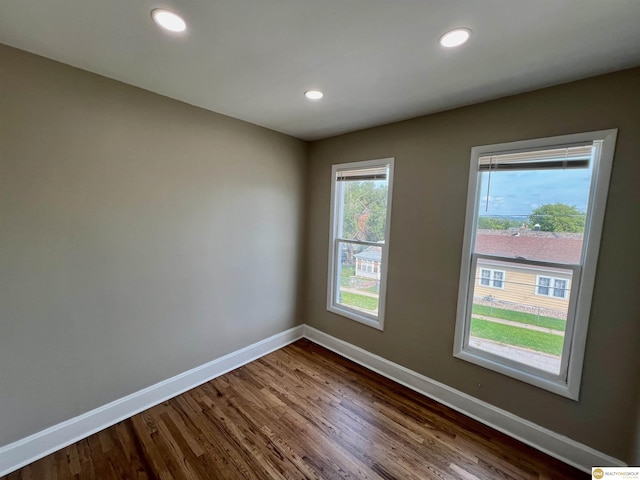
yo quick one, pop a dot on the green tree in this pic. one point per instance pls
(365, 210)
(558, 217)
(493, 223)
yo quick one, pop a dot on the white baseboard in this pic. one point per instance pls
(31, 448)
(558, 446)
(41, 444)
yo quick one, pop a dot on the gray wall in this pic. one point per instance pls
(429, 194)
(635, 454)
(140, 237)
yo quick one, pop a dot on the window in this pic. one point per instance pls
(359, 244)
(534, 218)
(491, 278)
(367, 267)
(552, 287)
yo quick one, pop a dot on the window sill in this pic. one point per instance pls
(556, 386)
(355, 316)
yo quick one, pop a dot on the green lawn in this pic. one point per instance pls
(345, 275)
(347, 272)
(518, 337)
(360, 301)
(521, 317)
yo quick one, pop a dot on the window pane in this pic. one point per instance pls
(521, 322)
(559, 288)
(363, 207)
(358, 277)
(543, 285)
(537, 214)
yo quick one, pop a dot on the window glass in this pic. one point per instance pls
(364, 209)
(543, 283)
(531, 208)
(534, 210)
(520, 316)
(358, 254)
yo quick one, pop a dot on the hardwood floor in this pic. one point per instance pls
(301, 412)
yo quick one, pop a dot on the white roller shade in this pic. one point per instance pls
(359, 174)
(571, 156)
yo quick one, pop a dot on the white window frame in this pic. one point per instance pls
(334, 242)
(567, 383)
(552, 287)
(491, 278)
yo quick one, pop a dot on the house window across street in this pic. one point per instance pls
(535, 210)
(491, 278)
(552, 287)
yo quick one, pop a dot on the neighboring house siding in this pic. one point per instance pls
(363, 267)
(521, 282)
(520, 286)
(368, 263)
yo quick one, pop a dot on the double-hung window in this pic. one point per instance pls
(534, 218)
(359, 240)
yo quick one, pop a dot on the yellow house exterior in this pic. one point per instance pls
(526, 287)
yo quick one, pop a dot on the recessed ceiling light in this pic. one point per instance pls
(313, 94)
(455, 38)
(168, 20)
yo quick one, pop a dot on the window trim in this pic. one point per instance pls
(567, 384)
(332, 305)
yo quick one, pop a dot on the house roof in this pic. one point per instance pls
(371, 253)
(543, 246)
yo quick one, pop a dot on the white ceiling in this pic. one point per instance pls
(377, 61)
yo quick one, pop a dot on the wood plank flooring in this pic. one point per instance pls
(301, 412)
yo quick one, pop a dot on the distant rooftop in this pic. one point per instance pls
(533, 245)
(371, 253)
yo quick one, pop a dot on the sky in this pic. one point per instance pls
(517, 193)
